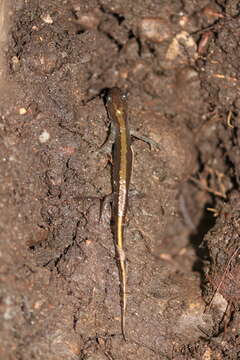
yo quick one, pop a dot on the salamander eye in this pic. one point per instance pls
(109, 98)
(124, 97)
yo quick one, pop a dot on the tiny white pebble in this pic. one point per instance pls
(15, 60)
(22, 111)
(44, 136)
(47, 19)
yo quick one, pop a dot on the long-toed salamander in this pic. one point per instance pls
(116, 105)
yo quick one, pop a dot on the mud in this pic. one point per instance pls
(178, 61)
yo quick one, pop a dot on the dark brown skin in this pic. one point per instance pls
(122, 168)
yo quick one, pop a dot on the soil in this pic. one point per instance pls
(178, 61)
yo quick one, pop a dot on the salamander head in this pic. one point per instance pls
(116, 103)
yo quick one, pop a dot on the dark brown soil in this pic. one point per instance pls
(179, 63)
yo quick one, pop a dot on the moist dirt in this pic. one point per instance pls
(178, 61)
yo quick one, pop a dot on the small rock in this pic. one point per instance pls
(154, 29)
(22, 111)
(44, 136)
(47, 19)
(88, 21)
(182, 48)
(15, 63)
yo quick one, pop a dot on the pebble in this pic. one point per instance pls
(22, 111)
(154, 29)
(47, 19)
(88, 21)
(44, 136)
(15, 63)
(182, 48)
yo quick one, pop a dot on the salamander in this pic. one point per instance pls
(116, 104)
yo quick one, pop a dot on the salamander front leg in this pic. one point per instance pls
(145, 139)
